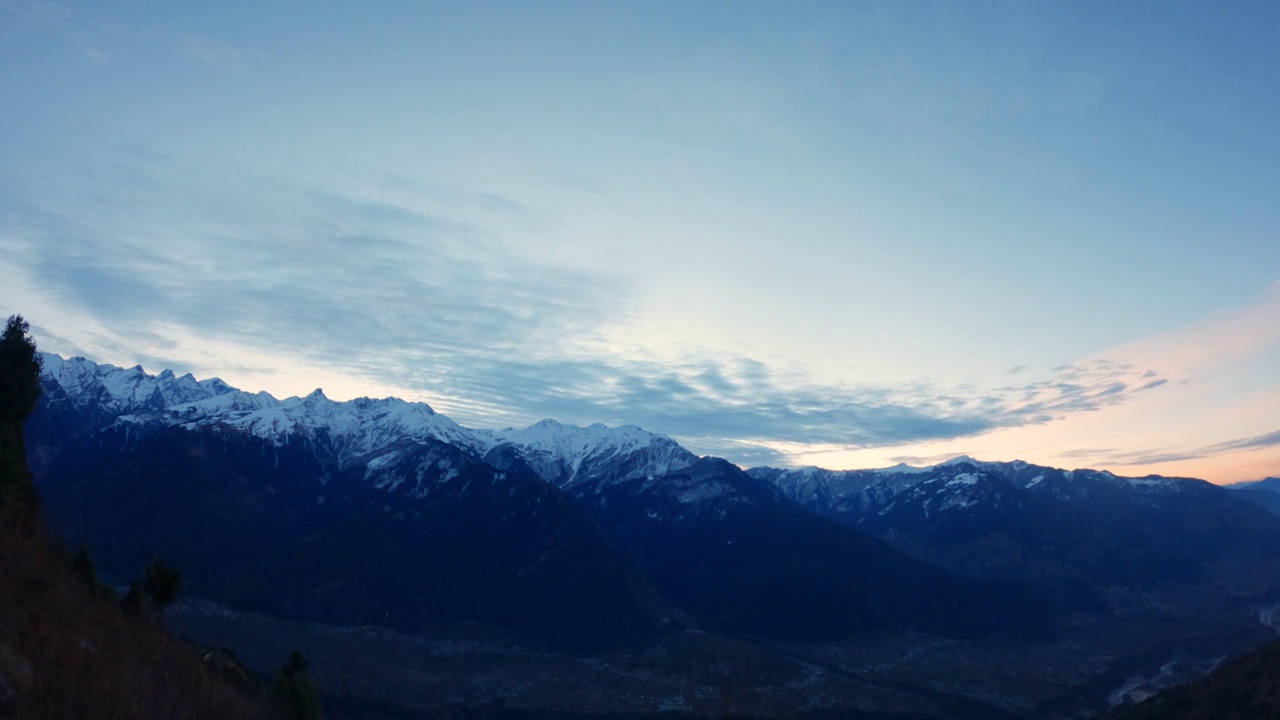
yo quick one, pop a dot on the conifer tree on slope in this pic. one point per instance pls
(19, 389)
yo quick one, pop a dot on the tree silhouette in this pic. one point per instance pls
(162, 584)
(82, 567)
(134, 602)
(19, 371)
(158, 588)
(293, 688)
(19, 389)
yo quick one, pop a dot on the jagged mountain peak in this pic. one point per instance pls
(125, 390)
(355, 428)
(548, 431)
(1009, 469)
(818, 488)
(359, 429)
(854, 496)
(565, 454)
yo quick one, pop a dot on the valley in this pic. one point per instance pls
(1075, 676)
(425, 565)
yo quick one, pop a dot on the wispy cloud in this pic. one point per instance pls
(43, 11)
(421, 298)
(216, 55)
(95, 54)
(718, 405)
(1115, 456)
(59, 21)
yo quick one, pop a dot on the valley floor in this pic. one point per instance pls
(1093, 664)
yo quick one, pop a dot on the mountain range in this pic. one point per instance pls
(386, 513)
(583, 536)
(1264, 493)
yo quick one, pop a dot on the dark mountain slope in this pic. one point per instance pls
(385, 512)
(377, 511)
(1079, 531)
(1269, 483)
(1246, 688)
(740, 558)
(283, 529)
(1268, 500)
(1264, 493)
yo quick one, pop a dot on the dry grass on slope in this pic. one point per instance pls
(68, 651)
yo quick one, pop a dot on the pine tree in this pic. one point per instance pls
(82, 567)
(19, 389)
(162, 584)
(293, 688)
(151, 595)
(19, 372)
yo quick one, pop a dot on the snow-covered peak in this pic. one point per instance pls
(353, 427)
(818, 486)
(902, 467)
(564, 454)
(118, 390)
(357, 430)
(551, 434)
(961, 460)
(952, 488)
(222, 405)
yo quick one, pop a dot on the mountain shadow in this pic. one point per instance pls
(284, 529)
(740, 558)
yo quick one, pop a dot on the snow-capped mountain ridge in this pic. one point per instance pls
(956, 487)
(903, 468)
(356, 427)
(363, 430)
(566, 455)
(571, 441)
(855, 496)
(359, 430)
(125, 390)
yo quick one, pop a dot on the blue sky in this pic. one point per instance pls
(833, 233)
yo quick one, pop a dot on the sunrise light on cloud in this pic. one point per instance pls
(1200, 415)
(774, 243)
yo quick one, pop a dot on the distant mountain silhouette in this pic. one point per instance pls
(1079, 531)
(1263, 493)
(385, 512)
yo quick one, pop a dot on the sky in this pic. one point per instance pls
(847, 234)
